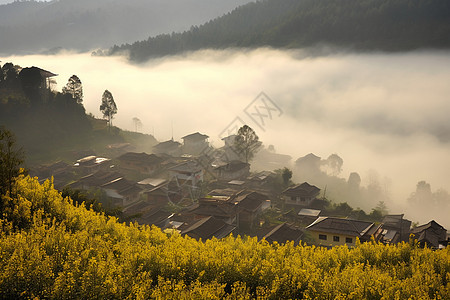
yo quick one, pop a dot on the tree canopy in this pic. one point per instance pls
(108, 106)
(74, 88)
(247, 143)
(389, 25)
(11, 159)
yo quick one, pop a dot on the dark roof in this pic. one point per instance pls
(208, 228)
(215, 208)
(233, 166)
(45, 73)
(188, 166)
(122, 186)
(250, 201)
(195, 137)
(167, 145)
(431, 233)
(261, 176)
(138, 207)
(340, 226)
(223, 192)
(99, 178)
(42, 72)
(150, 159)
(283, 233)
(308, 157)
(304, 189)
(156, 217)
(393, 220)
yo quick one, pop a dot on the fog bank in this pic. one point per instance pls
(380, 112)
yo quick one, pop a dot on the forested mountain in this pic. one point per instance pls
(31, 26)
(391, 25)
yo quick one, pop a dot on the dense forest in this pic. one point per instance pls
(389, 25)
(32, 26)
(50, 248)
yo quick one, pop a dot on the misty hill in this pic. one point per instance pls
(390, 25)
(30, 26)
(52, 126)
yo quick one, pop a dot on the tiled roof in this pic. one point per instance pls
(304, 189)
(208, 228)
(340, 226)
(283, 233)
(195, 136)
(140, 157)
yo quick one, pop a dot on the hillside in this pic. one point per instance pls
(388, 25)
(31, 26)
(50, 125)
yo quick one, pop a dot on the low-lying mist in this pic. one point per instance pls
(383, 113)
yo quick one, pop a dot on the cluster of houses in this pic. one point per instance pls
(207, 193)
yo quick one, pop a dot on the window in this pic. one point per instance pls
(348, 240)
(323, 237)
(335, 238)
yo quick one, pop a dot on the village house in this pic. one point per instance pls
(95, 180)
(118, 148)
(207, 228)
(301, 195)
(229, 149)
(250, 205)
(122, 192)
(61, 172)
(329, 231)
(431, 234)
(308, 215)
(262, 180)
(145, 213)
(232, 170)
(195, 143)
(91, 164)
(169, 147)
(140, 162)
(157, 196)
(394, 229)
(151, 183)
(189, 172)
(269, 160)
(218, 208)
(282, 234)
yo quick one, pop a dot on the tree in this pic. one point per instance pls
(74, 88)
(108, 106)
(11, 159)
(247, 143)
(286, 175)
(137, 123)
(334, 163)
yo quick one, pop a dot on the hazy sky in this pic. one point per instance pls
(11, 1)
(387, 113)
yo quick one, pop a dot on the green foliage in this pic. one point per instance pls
(392, 25)
(247, 143)
(74, 88)
(52, 249)
(108, 106)
(11, 158)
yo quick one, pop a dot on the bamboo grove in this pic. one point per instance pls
(51, 249)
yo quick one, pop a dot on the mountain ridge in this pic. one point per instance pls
(31, 27)
(382, 25)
